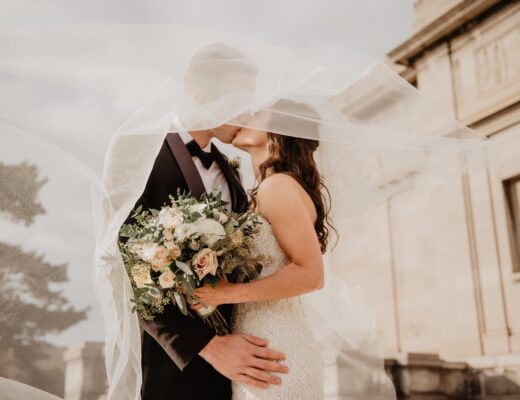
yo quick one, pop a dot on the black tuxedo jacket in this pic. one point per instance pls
(171, 342)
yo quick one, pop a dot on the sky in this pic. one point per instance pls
(64, 233)
(372, 26)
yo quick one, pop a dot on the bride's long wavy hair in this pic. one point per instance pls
(294, 156)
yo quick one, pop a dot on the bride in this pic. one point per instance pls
(294, 234)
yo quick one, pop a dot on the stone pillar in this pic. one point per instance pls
(85, 377)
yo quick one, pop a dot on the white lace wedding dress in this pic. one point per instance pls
(283, 323)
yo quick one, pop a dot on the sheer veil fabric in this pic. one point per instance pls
(99, 100)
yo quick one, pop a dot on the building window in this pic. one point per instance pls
(512, 192)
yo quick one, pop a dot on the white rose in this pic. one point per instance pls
(169, 218)
(148, 251)
(199, 207)
(141, 275)
(184, 231)
(211, 229)
(205, 262)
(167, 279)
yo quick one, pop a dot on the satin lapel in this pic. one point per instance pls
(238, 194)
(186, 164)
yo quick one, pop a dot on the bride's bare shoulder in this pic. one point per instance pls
(278, 183)
(281, 196)
(280, 193)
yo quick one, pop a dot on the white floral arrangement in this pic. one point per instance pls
(170, 252)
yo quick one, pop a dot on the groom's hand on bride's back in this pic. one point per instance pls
(245, 358)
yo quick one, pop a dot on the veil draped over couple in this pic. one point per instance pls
(324, 137)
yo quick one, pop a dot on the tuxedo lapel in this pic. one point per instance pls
(238, 194)
(186, 164)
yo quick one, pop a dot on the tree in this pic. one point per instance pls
(20, 186)
(31, 306)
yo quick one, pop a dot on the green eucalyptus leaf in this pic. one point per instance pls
(138, 210)
(229, 227)
(184, 267)
(188, 283)
(181, 303)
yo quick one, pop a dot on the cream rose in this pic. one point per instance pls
(160, 258)
(174, 250)
(168, 234)
(205, 262)
(141, 275)
(167, 279)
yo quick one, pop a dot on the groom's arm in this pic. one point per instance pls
(182, 337)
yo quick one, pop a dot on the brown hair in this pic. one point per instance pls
(294, 156)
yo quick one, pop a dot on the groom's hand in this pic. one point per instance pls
(245, 358)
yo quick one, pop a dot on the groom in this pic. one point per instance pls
(181, 356)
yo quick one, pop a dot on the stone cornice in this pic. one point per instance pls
(444, 26)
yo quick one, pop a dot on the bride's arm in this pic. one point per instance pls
(282, 205)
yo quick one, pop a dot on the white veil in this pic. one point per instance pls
(100, 99)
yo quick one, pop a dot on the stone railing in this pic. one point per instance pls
(415, 376)
(426, 376)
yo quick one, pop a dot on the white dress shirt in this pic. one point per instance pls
(212, 177)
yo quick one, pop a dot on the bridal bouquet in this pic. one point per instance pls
(184, 245)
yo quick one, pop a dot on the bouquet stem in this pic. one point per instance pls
(217, 322)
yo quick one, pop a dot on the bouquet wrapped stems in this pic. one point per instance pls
(214, 318)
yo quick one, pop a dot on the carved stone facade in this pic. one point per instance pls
(427, 11)
(461, 342)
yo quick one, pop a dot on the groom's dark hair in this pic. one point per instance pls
(218, 69)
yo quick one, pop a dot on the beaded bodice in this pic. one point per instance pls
(283, 323)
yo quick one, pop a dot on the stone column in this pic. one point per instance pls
(85, 377)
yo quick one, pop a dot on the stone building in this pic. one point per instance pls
(451, 317)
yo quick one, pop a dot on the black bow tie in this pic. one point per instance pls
(205, 157)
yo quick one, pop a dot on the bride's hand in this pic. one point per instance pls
(214, 296)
